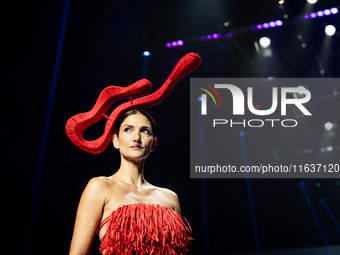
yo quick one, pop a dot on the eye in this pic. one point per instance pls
(146, 131)
(127, 129)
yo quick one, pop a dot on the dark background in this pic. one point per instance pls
(103, 45)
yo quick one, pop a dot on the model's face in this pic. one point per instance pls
(135, 140)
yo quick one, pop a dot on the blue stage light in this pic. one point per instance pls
(146, 53)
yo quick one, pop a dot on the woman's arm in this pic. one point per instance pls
(89, 213)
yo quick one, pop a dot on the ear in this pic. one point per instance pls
(154, 144)
(115, 141)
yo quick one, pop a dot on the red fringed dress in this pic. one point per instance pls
(145, 229)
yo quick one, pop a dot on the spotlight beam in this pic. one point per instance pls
(329, 212)
(316, 219)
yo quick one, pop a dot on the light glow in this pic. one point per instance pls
(264, 42)
(312, 1)
(330, 30)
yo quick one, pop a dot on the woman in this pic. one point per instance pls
(130, 215)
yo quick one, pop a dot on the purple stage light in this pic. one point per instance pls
(266, 25)
(215, 36)
(279, 23)
(334, 10)
(320, 13)
(327, 12)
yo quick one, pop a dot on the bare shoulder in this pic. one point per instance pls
(168, 193)
(98, 183)
(98, 186)
(171, 198)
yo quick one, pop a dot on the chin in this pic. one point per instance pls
(134, 157)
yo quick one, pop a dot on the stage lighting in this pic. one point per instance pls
(312, 1)
(270, 24)
(279, 23)
(328, 125)
(226, 23)
(329, 148)
(146, 53)
(313, 15)
(327, 12)
(266, 25)
(263, 47)
(264, 42)
(334, 10)
(330, 30)
(320, 13)
(215, 36)
(178, 43)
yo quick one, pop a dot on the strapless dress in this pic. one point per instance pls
(145, 229)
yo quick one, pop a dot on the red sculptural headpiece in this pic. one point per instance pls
(76, 125)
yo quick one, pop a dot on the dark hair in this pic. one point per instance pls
(132, 112)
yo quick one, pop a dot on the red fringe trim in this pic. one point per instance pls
(145, 229)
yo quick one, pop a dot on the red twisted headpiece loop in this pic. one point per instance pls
(76, 125)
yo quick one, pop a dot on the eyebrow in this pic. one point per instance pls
(129, 125)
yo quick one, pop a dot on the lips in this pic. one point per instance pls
(136, 147)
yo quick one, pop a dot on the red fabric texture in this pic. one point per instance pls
(145, 229)
(76, 125)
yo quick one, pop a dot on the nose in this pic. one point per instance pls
(136, 136)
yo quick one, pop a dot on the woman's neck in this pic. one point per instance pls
(131, 173)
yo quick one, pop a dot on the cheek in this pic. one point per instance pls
(148, 142)
(124, 140)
